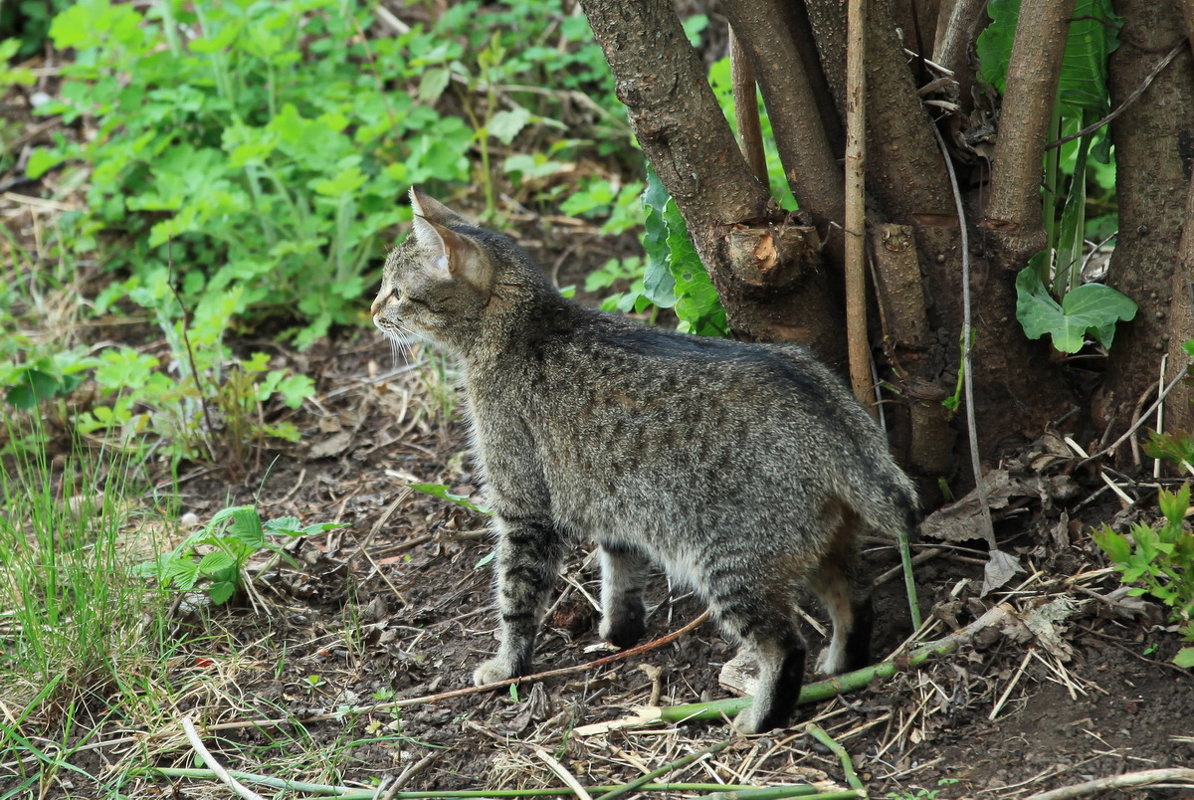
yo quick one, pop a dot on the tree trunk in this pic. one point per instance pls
(764, 268)
(1154, 145)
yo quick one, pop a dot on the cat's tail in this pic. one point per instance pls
(886, 500)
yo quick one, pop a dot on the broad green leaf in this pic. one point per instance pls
(1185, 658)
(221, 591)
(41, 161)
(1089, 309)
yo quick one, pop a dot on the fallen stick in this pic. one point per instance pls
(432, 698)
(1128, 780)
(810, 692)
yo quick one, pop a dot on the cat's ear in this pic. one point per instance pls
(433, 210)
(451, 254)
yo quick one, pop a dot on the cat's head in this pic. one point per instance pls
(437, 284)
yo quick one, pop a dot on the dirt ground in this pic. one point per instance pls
(400, 602)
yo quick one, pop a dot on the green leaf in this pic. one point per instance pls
(435, 81)
(215, 562)
(1175, 504)
(1185, 658)
(42, 161)
(505, 125)
(221, 591)
(1089, 309)
(246, 527)
(441, 491)
(1115, 545)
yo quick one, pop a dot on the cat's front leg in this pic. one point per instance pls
(529, 553)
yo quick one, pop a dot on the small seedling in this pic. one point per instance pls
(1162, 560)
(216, 555)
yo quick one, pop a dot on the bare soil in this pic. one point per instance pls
(400, 602)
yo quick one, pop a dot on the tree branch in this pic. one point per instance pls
(746, 110)
(804, 148)
(677, 120)
(954, 40)
(855, 244)
(1014, 209)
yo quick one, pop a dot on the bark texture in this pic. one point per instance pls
(661, 80)
(1014, 210)
(1154, 144)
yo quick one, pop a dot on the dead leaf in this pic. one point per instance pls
(1000, 568)
(332, 446)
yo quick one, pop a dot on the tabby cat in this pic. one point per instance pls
(745, 470)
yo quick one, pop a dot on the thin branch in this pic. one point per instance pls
(432, 698)
(1128, 101)
(746, 109)
(1128, 780)
(980, 481)
(215, 766)
(855, 196)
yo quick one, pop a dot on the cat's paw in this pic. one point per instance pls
(624, 631)
(494, 670)
(831, 661)
(747, 722)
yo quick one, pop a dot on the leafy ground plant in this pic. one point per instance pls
(1162, 560)
(215, 556)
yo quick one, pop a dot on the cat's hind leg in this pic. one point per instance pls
(765, 623)
(623, 573)
(846, 598)
(529, 554)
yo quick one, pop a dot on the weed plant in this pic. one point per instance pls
(77, 624)
(271, 142)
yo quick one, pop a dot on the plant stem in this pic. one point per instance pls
(666, 768)
(818, 733)
(722, 790)
(846, 682)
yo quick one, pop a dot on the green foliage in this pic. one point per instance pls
(674, 276)
(599, 197)
(273, 148)
(214, 557)
(44, 378)
(1162, 560)
(204, 404)
(1091, 309)
(1092, 37)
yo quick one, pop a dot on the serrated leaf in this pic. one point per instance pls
(246, 527)
(220, 592)
(1089, 309)
(434, 82)
(212, 563)
(283, 525)
(1115, 545)
(181, 572)
(505, 125)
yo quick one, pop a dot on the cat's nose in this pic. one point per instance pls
(376, 307)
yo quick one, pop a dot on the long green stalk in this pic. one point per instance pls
(818, 733)
(840, 684)
(667, 768)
